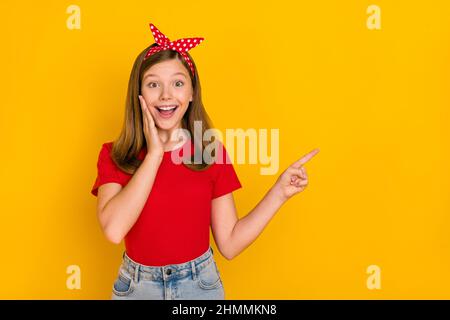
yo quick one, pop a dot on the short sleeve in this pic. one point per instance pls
(225, 177)
(107, 170)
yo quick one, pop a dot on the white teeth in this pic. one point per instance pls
(167, 108)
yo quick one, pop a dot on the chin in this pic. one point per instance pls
(166, 125)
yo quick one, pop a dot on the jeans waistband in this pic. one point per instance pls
(139, 271)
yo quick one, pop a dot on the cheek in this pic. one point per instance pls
(183, 111)
(183, 95)
(147, 97)
(153, 112)
(185, 107)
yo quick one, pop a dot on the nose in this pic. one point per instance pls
(165, 93)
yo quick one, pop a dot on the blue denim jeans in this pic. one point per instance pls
(198, 279)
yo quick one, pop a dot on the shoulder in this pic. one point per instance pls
(106, 148)
(108, 145)
(105, 153)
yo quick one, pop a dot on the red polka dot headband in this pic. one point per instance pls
(181, 45)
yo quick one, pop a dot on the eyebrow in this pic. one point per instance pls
(154, 75)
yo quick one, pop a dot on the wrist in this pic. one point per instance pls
(276, 195)
(152, 157)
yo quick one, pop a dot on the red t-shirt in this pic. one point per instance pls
(173, 226)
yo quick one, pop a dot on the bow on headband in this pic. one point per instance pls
(181, 45)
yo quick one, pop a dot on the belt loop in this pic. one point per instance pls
(136, 273)
(194, 271)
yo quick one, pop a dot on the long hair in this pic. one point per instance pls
(132, 139)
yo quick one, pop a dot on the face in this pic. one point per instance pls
(167, 90)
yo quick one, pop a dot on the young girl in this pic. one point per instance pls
(163, 209)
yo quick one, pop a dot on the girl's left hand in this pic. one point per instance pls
(294, 179)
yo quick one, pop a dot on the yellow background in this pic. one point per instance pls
(376, 103)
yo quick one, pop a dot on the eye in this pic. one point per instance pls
(150, 85)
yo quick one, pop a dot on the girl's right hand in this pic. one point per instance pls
(154, 144)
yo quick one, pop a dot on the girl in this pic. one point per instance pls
(163, 209)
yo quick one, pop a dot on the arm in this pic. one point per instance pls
(119, 208)
(233, 235)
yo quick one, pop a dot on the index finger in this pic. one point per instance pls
(305, 158)
(142, 101)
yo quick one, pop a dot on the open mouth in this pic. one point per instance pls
(167, 111)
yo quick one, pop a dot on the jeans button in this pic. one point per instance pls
(168, 271)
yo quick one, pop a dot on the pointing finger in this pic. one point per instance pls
(305, 158)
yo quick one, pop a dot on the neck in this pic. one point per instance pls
(169, 137)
